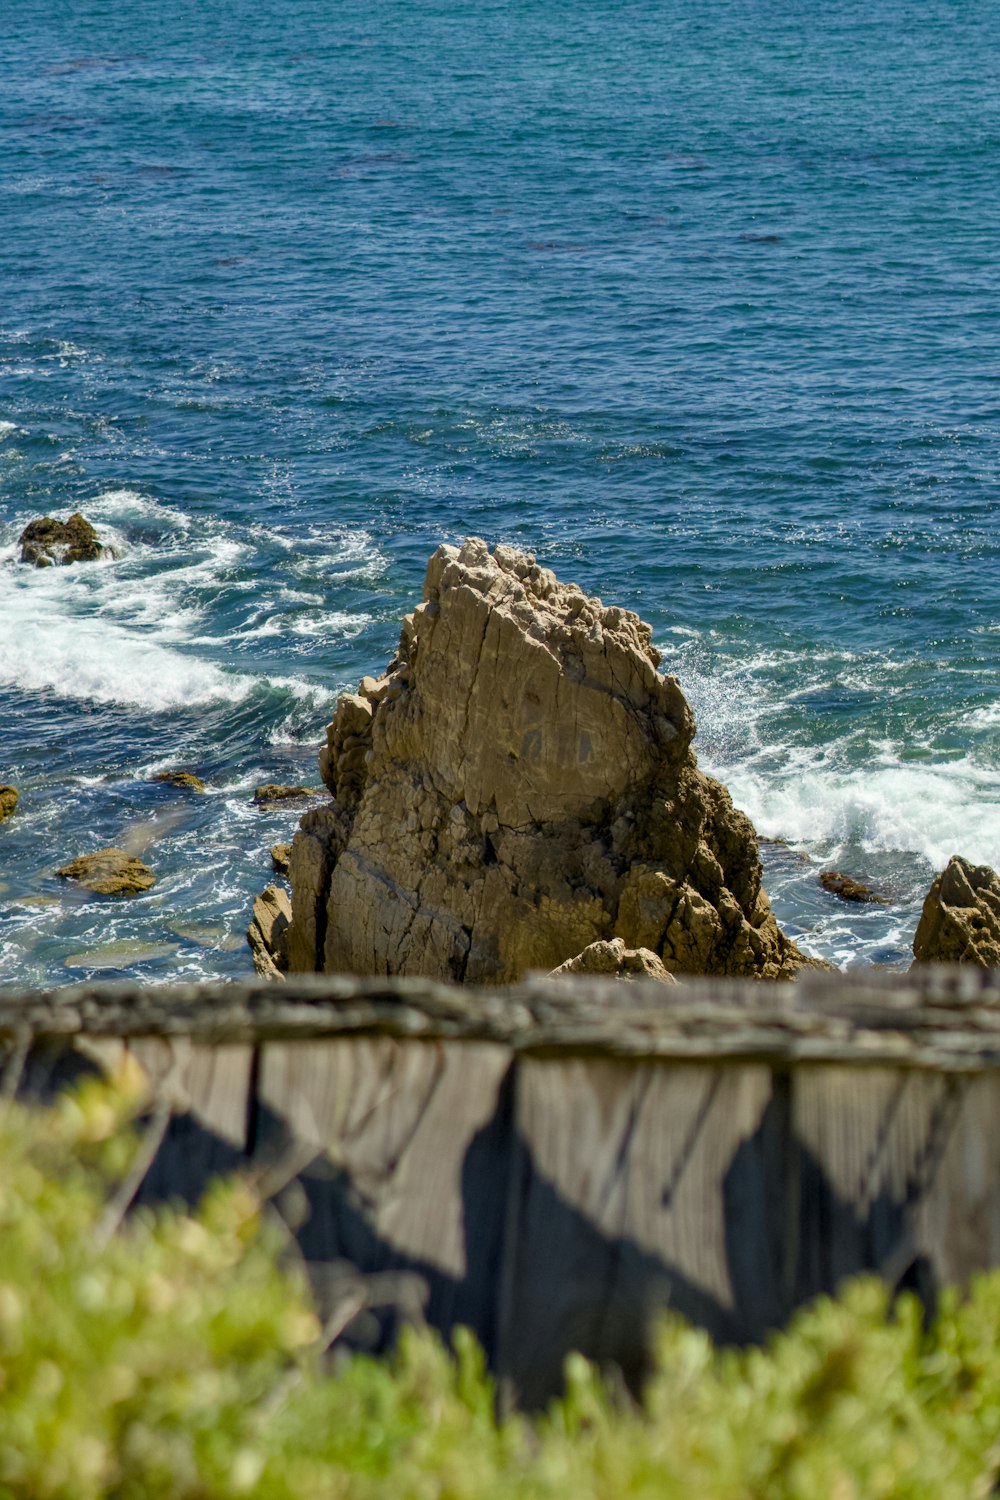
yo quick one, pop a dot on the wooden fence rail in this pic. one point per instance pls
(560, 1161)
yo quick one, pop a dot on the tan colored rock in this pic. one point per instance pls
(9, 796)
(109, 872)
(280, 854)
(960, 921)
(519, 786)
(181, 778)
(272, 913)
(614, 958)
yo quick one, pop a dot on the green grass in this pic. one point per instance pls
(170, 1356)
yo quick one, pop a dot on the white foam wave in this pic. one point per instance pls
(57, 638)
(984, 718)
(103, 663)
(933, 810)
(132, 628)
(127, 504)
(335, 625)
(858, 786)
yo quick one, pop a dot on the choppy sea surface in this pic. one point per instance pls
(700, 303)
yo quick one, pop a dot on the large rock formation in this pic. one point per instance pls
(960, 922)
(519, 785)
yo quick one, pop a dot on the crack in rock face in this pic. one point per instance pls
(517, 786)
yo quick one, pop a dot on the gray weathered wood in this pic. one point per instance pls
(618, 1210)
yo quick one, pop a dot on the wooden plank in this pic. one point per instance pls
(898, 1174)
(939, 1021)
(957, 1219)
(619, 1208)
(404, 1150)
(210, 1090)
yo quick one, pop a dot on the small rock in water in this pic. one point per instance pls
(8, 801)
(848, 889)
(180, 778)
(960, 922)
(207, 935)
(613, 958)
(272, 792)
(109, 872)
(46, 541)
(280, 854)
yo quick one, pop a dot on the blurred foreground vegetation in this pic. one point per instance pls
(167, 1355)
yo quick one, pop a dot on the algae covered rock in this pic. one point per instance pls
(520, 785)
(272, 792)
(960, 921)
(849, 889)
(185, 779)
(109, 872)
(9, 797)
(46, 541)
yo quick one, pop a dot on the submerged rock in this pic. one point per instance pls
(123, 955)
(9, 796)
(848, 889)
(46, 541)
(519, 785)
(960, 922)
(613, 958)
(109, 872)
(180, 778)
(266, 934)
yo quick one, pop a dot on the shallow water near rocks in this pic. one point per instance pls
(699, 306)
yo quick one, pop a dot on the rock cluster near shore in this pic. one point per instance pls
(518, 786)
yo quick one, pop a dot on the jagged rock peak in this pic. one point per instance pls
(518, 785)
(960, 921)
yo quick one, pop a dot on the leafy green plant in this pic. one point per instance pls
(168, 1355)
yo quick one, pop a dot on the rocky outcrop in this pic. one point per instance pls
(109, 872)
(46, 541)
(519, 785)
(613, 958)
(960, 922)
(9, 797)
(267, 932)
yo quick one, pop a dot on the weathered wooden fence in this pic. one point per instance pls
(560, 1161)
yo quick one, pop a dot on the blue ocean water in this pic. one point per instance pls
(698, 303)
